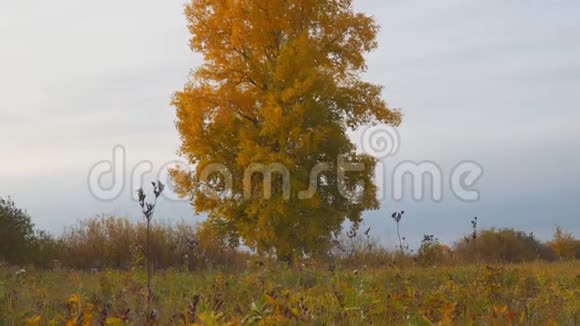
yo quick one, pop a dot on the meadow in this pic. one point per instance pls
(269, 293)
(281, 143)
(96, 273)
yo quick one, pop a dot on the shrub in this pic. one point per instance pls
(502, 246)
(115, 242)
(431, 251)
(45, 251)
(357, 250)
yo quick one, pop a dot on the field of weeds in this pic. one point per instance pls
(530, 294)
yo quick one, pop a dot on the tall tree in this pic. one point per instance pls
(16, 233)
(279, 84)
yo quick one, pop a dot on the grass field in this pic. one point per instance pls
(530, 294)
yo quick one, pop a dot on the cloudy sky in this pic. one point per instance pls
(496, 82)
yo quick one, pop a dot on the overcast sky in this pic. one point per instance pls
(496, 82)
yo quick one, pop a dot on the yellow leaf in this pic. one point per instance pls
(500, 311)
(33, 321)
(295, 312)
(270, 300)
(74, 299)
(112, 321)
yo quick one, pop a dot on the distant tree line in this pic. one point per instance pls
(116, 242)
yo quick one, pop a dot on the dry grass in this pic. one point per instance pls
(533, 293)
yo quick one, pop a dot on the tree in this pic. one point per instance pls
(16, 233)
(279, 84)
(564, 244)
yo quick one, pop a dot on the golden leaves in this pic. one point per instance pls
(279, 84)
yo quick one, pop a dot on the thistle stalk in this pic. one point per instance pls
(148, 209)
